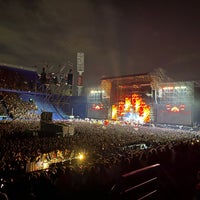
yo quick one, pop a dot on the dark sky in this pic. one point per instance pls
(118, 37)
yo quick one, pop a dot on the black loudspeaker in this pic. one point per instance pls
(46, 116)
(51, 129)
(70, 79)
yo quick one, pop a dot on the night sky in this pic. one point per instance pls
(118, 37)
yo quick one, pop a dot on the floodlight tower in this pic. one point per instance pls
(80, 70)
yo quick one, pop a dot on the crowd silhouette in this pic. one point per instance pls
(35, 166)
(109, 151)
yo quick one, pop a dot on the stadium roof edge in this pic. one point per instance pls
(124, 76)
(18, 67)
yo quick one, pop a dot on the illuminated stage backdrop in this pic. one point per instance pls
(175, 103)
(174, 114)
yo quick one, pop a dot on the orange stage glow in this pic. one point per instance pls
(114, 112)
(134, 106)
(127, 105)
(175, 109)
(97, 106)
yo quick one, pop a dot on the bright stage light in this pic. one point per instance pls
(45, 165)
(80, 156)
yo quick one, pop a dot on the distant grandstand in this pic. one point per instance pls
(21, 88)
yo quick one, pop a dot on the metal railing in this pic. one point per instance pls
(141, 184)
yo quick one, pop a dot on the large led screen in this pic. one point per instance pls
(174, 114)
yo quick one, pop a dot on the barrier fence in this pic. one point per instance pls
(141, 184)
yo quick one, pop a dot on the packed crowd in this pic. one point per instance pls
(39, 167)
(26, 80)
(14, 107)
(109, 151)
(9, 79)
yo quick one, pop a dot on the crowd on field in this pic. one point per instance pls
(36, 167)
(109, 151)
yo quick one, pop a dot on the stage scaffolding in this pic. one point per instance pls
(176, 92)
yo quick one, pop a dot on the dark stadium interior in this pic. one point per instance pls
(55, 145)
(99, 99)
